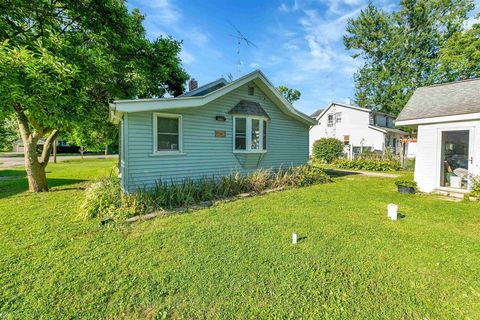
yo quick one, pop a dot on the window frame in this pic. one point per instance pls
(338, 117)
(330, 123)
(179, 117)
(248, 134)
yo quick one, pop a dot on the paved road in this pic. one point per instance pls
(10, 162)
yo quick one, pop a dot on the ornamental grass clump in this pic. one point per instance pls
(104, 199)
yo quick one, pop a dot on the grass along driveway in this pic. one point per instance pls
(236, 260)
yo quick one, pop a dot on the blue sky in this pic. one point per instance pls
(299, 42)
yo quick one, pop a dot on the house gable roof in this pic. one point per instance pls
(251, 108)
(317, 112)
(257, 77)
(442, 100)
(387, 130)
(324, 111)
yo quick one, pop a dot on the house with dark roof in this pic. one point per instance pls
(447, 119)
(360, 129)
(211, 130)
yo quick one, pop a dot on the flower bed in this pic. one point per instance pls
(105, 200)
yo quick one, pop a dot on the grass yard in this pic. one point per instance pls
(236, 260)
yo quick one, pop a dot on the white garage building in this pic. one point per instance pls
(447, 117)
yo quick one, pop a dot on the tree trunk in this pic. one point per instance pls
(37, 179)
(55, 151)
(106, 150)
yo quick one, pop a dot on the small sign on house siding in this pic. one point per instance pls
(220, 133)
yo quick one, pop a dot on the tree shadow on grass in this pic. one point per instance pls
(340, 173)
(13, 182)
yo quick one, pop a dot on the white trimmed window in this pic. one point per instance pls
(167, 133)
(250, 134)
(338, 117)
(330, 120)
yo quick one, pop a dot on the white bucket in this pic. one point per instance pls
(392, 211)
(455, 182)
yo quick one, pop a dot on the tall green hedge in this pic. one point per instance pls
(327, 149)
(369, 164)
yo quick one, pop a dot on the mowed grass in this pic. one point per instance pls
(236, 260)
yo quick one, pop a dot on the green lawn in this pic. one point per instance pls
(236, 260)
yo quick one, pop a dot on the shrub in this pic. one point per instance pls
(327, 149)
(409, 164)
(369, 164)
(475, 184)
(306, 175)
(104, 198)
(406, 183)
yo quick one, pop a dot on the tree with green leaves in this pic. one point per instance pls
(8, 134)
(61, 61)
(291, 95)
(460, 56)
(401, 49)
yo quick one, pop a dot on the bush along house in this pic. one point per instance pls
(211, 130)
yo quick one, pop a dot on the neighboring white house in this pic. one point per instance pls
(447, 117)
(19, 147)
(360, 129)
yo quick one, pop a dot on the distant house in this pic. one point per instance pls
(210, 131)
(447, 117)
(61, 146)
(360, 129)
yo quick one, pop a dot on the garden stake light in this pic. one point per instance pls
(392, 211)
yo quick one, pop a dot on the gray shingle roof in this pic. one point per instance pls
(251, 108)
(316, 113)
(440, 100)
(206, 88)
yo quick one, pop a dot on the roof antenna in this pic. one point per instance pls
(241, 38)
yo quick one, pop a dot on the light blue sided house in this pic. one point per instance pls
(212, 130)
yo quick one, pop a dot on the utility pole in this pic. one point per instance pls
(55, 151)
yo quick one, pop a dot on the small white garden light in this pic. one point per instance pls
(392, 211)
(294, 237)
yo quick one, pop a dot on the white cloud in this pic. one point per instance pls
(187, 57)
(286, 8)
(338, 6)
(474, 16)
(198, 37)
(468, 24)
(163, 11)
(165, 18)
(254, 65)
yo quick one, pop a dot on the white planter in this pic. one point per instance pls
(392, 211)
(455, 182)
